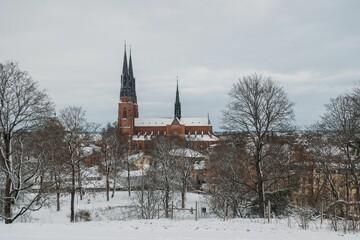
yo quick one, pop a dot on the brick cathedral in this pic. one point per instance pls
(195, 132)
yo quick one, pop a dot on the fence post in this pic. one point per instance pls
(196, 211)
(269, 211)
(335, 216)
(322, 213)
(158, 211)
(289, 220)
(172, 210)
(264, 210)
(225, 210)
(352, 217)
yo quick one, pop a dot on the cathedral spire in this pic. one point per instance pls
(124, 90)
(177, 112)
(132, 80)
(130, 65)
(125, 67)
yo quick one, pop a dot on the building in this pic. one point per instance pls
(194, 132)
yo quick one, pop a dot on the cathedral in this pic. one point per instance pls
(195, 132)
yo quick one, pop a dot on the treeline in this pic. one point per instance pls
(263, 159)
(38, 150)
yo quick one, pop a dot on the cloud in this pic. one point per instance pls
(74, 49)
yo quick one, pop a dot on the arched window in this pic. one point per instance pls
(124, 113)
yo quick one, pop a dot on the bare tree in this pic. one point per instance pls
(114, 149)
(341, 122)
(164, 163)
(184, 161)
(22, 107)
(78, 137)
(258, 106)
(228, 180)
(50, 142)
(105, 155)
(326, 160)
(149, 197)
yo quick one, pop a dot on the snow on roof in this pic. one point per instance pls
(145, 122)
(199, 165)
(199, 137)
(141, 137)
(135, 156)
(133, 173)
(194, 121)
(90, 149)
(188, 137)
(185, 152)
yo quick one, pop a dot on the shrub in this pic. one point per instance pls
(83, 216)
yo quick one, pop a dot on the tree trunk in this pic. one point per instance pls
(113, 189)
(7, 200)
(234, 206)
(72, 206)
(41, 187)
(57, 200)
(72, 194)
(167, 199)
(79, 181)
(261, 199)
(142, 193)
(128, 180)
(8, 183)
(57, 188)
(183, 195)
(114, 181)
(142, 202)
(260, 181)
(107, 186)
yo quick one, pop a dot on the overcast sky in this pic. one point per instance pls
(74, 49)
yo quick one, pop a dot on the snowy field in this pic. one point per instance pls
(106, 224)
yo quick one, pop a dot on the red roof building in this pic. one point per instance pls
(195, 132)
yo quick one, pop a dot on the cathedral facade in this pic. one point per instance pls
(195, 132)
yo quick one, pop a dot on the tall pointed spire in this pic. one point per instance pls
(130, 65)
(124, 91)
(127, 90)
(177, 112)
(125, 67)
(132, 80)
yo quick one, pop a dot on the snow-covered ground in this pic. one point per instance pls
(206, 229)
(105, 224)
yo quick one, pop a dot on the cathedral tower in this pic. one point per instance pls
(128, 108)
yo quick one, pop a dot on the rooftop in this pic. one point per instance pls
(159, 122)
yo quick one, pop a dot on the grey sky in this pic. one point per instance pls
(74, 49)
